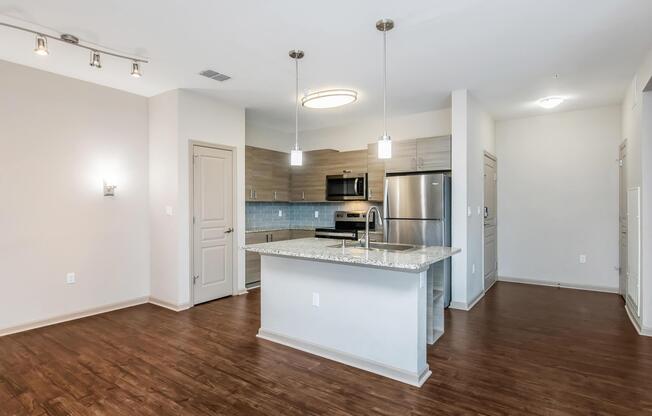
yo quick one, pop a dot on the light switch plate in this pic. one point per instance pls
(468, 211)
(70, 278)
(582, 258)
(168, 211)
(315, 299)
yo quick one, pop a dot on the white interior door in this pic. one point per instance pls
(490, 221)
(634, 250)
(212, 223)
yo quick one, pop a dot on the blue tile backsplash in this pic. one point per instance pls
(264, 215)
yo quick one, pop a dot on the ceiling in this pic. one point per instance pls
(505, 52)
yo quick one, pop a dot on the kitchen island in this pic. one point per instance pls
(374, 309)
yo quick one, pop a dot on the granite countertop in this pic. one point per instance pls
(267, 229)
(415, 260)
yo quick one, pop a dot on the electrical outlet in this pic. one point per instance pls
(168, 211)
(473, 268)
(468, 211)
(70, 278)
(315, 299)
(316, 214)
(280, 212)
(479, 210)
(582, 258)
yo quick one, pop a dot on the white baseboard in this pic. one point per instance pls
(168, 305)
(462, 306)
(72, 316)
(550, 283)
(348, 359)
(642, 330)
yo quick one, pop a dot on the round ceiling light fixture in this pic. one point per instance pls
(550, 102)
(329, 98)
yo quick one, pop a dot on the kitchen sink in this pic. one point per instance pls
(375, 246)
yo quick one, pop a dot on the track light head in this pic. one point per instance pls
(41, 46)
(95, 60)
(135, 70)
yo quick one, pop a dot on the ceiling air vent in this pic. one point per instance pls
(209, 73)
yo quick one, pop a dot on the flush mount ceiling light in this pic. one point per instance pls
(550, 102)
(296, 155)
(68, 39)
(385, 141)
(329, 98)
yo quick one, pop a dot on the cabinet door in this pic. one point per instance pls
(252, 260)
(294, 234)
(404, 157)
(434, 153)
(250, 172)
(375, 174)
(279, 235)
(308, 182)
(281, 176)
(337, 163)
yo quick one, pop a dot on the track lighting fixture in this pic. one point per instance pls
(135, 70)
(95, 60)
(41, 46)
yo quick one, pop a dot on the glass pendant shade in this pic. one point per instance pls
(385, 147)
(41, 46)
(296, 157)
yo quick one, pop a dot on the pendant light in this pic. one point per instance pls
(296, 155)
(385, 141)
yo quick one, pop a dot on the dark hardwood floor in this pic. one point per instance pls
(522, 350)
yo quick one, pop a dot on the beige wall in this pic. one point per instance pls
(59, 138)
(558, 198)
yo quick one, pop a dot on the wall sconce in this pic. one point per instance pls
(109, 190)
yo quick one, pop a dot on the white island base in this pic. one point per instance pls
(371, 318)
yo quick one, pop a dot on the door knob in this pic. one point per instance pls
(228, 230)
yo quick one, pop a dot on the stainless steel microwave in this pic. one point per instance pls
(346, 187)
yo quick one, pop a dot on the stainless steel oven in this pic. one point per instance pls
(346, 187)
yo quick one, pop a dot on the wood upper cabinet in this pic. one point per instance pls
(404, 157)
(267, 175)
(375, 174)
(308, 182)
(416, 155)
(354, 161)
(434, 153)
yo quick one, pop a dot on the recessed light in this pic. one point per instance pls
(329, 98)
(550, 102)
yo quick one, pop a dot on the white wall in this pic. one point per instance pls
(205, 119)
(176, 118)
(473, 133)
(163, 192)
(637, 129)
(59, 138)
(353, 136)
(481, 138)
(558, 197)
(268, 138)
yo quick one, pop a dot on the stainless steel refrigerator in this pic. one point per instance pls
(417, 210)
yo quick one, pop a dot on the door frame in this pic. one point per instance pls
(495, 159)
(622, 147)
(191, 212)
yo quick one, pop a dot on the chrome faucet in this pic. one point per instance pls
(366, 223)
